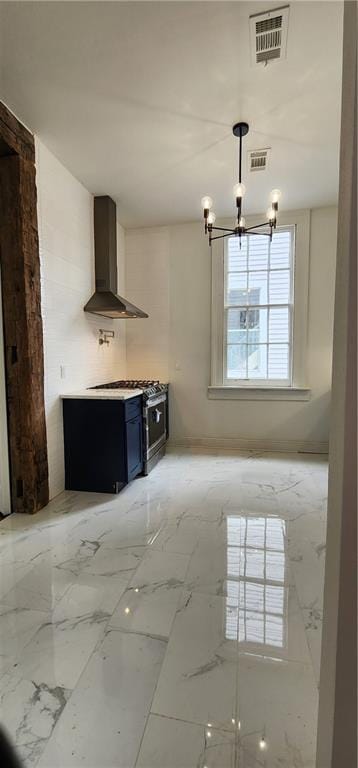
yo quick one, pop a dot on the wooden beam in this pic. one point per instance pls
(15, 135)
(23, 335)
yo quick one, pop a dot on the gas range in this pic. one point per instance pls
(149, 387)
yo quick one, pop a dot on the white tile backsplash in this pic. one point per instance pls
(65, 218)
(147, 285)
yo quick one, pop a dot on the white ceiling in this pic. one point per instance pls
(137, 100)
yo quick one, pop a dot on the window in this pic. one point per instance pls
(258, 308)
(259, 313)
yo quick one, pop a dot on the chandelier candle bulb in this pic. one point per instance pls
(239, 190)
(211, 218)
(271, 214)
(242, 222)
(206, 203)
(275, 195)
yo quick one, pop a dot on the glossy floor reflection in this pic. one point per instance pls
(176, 625)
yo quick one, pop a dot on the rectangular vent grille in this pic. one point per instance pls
(268, 24)
(275, 53)
(258, 159)
(268, 40)
(268, 35)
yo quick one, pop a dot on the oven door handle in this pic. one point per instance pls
(156, 415)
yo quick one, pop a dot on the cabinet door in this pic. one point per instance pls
(134, 447)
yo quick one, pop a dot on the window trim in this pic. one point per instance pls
(249, 383)
(300, 220)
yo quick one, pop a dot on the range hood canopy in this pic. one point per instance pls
(105, 301)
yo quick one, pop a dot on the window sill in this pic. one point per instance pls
(259, 393)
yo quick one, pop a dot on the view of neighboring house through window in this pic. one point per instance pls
(259, 308)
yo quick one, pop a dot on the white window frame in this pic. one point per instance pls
(264, 389)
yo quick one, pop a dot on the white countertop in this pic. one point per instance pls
(102, 394)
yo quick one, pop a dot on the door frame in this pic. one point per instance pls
(337, 716)
(22, 320)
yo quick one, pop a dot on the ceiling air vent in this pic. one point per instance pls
(258, 159)
(268, 35)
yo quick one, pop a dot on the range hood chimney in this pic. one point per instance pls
(105, 301)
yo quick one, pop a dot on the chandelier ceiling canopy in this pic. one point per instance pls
(239, 130)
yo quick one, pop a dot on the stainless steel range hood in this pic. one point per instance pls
(105, 301)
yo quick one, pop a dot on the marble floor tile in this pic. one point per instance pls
(126, 533)
(306, 551)
(313, 618)
(169, 743)
(120, 562)
(103, 723)
(11, 574)
(150, 603)
(17, 627)
(198, 678)
(148, 610)
(58, 653)
(183, 615)
(59, 650)
(74, 554)
(184, 535)
(209, 571)
(160, 569)
(29, 712)
(27, 549)
(40, 589)
(148, 512)
(6, 661)
(90, 595)
(280, 706)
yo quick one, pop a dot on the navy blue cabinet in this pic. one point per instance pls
(103, 443)
(134, 447)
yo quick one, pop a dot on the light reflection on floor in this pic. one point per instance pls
(256, 565)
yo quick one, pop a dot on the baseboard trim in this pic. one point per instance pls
(250, 444)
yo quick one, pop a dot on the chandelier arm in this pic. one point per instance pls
(256, 226)
(262, 234)
(220, 237)
(224, 229)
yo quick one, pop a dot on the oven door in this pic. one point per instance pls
(155, 424)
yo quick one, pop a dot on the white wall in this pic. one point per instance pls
(147, 285)
(65, 219)
(168, 272)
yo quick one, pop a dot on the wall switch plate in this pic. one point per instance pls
(63, 371)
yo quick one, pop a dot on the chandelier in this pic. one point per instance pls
(239, 130)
